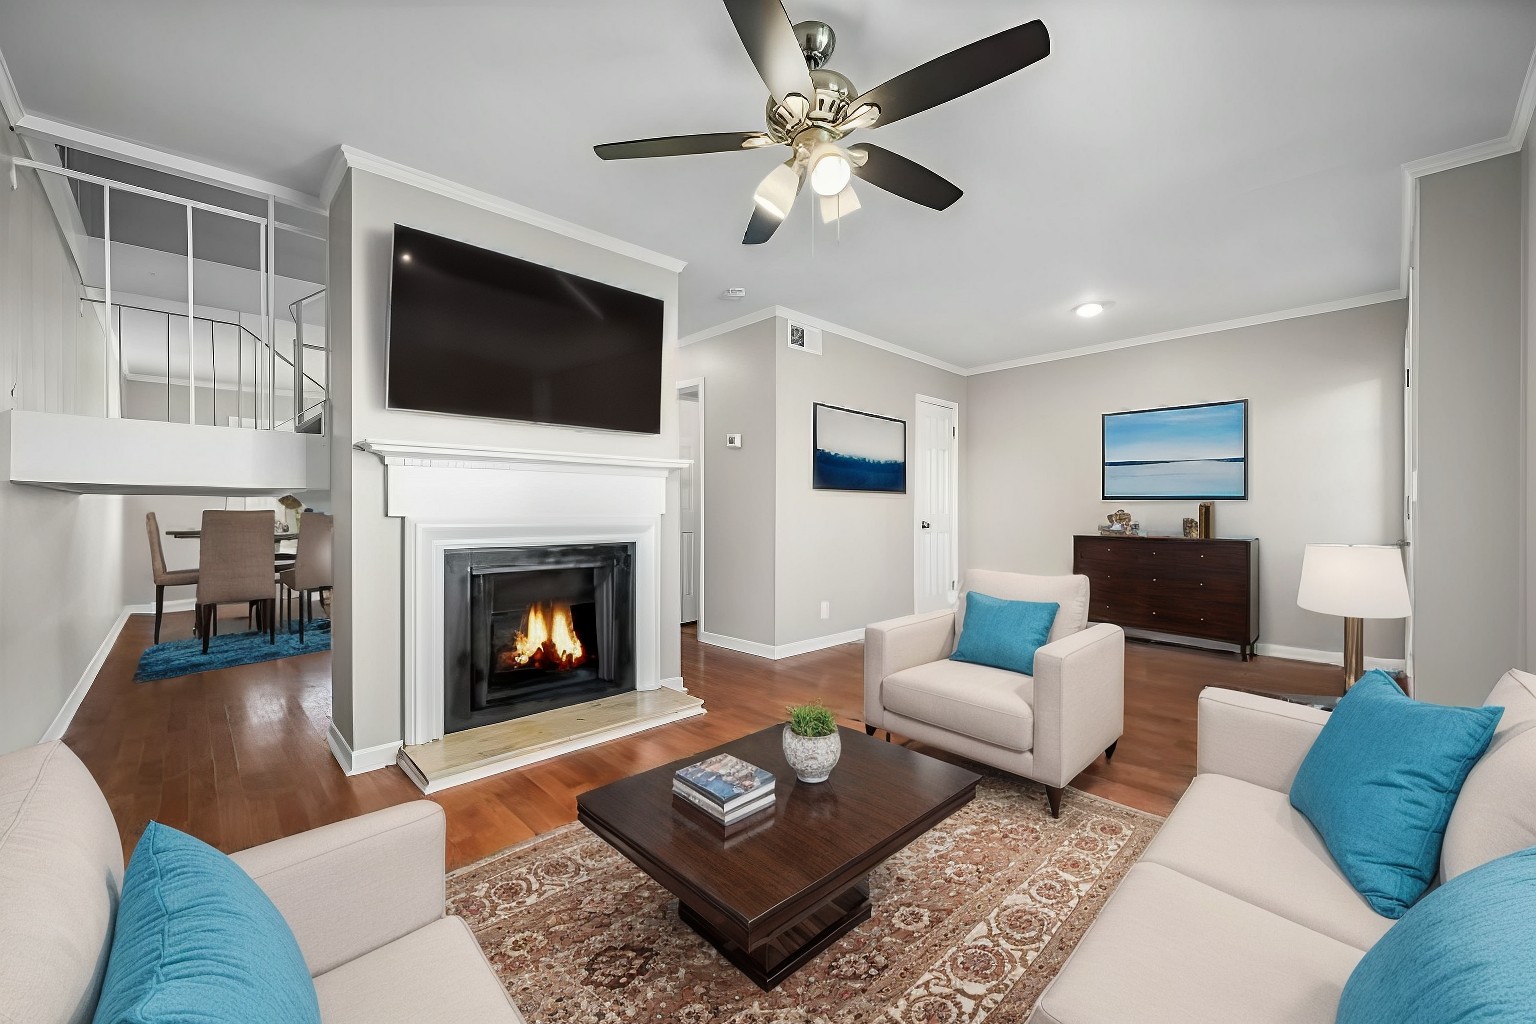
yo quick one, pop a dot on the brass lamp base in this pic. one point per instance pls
(1354, 651)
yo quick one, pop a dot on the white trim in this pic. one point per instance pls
(826, 327)
(696, 383)
(348, 158)
(76, 696)
(397, 453)
(1324, 657)
(355, 762)
(10, 99)
(183, 604)
(674, 683)
(1190, 332)
(954, 498)
(1524, 106)
(187, 167)
(774, 653)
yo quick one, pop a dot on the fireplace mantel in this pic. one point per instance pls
(396, 453)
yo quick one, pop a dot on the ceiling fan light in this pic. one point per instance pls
(830, 171)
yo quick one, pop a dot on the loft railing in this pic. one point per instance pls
(269, 364)
(254, 389)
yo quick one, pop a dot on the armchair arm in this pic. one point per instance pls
(897, 644)
(348, 888)
(1257, 739)
(1079, 701)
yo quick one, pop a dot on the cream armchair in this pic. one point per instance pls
(1047, 727)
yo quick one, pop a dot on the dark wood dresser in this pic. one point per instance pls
(1207, 589)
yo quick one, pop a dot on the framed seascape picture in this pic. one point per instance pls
(1187, 452)
(857, 451)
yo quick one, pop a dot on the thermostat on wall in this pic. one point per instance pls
(733, 440)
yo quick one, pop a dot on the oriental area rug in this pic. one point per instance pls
(971, 921)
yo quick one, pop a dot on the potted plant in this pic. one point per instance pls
(811, 743)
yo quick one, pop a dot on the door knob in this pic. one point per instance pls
(925, 525)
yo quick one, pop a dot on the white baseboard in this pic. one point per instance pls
(774, 653)
(355, 762)
(1326, 657)
(184, 604)
(82, 686)
(675, 683)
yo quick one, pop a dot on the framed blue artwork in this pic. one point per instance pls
(857, 451)
(1187, 452)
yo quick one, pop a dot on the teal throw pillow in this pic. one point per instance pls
(1379, 784)
(1461, 956)
(198, 942)
(1004, 634)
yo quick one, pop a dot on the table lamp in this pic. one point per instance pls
(1357, 581)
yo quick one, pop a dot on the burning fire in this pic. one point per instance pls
(547, 640)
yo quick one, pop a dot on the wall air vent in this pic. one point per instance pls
(802, 338)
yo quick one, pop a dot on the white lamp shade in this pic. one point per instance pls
(1357, 581)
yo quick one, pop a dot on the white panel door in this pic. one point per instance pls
(689, 430)
(936, 479)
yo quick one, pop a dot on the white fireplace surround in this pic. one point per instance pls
(459, 497)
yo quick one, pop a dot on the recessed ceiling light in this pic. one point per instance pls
(1088, 310)
(734, 294)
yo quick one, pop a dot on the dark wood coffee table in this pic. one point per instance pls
(783, 886)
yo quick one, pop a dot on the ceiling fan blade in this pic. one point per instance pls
(835, 208)
(683, 145)
(959, 72)
(766, 32)
(900, 176)
(772, 201)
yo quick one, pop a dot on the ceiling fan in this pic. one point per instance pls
(812, 108)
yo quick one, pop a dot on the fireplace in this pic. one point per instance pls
(530, 629)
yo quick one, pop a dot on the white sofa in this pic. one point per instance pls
(1236, 912)
(1047, 727)
(364, 898)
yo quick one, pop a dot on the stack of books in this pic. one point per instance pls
(725, 787)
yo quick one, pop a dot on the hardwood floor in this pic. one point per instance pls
(238, 757)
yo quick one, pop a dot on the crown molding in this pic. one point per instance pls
(349, 158)
(827, 327)
(10, 99)
(1190, 332)
(102, 144)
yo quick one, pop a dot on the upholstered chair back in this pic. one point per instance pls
(234, 558)
(156, 552)
(61, 870)
(1071, 592)
(313, 566)
(1496, 811)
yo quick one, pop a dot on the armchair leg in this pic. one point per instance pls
(869, 730)
(1109, 751)
(1053, 796)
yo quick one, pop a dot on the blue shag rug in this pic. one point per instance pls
(226, 650)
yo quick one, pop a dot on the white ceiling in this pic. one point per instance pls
(1192, 160)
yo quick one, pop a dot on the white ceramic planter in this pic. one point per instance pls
(812, 757)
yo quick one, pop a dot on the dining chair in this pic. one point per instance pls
(163, 577)
(311, 573)
(235, 567)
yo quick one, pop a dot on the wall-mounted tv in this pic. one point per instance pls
(1187, 452)
(479, 333)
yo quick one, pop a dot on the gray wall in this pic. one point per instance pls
(1325, 450)
(1528, 357)
(367, 613)
(854, 550)
(147, 400)
(1468, 576)
(738, 372)
(60, 554)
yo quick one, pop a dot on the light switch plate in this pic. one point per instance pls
(733, 440)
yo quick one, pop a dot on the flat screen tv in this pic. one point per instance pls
(1187, 452)
(479, 333)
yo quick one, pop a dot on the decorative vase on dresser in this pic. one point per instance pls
(1207, 588)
